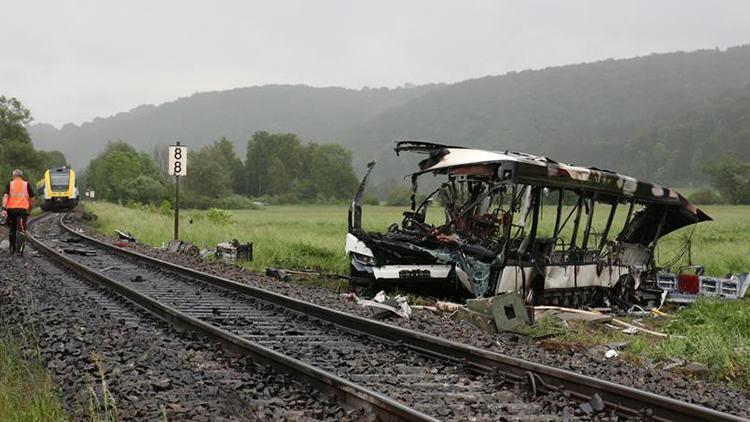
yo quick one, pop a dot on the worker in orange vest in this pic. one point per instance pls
(18, 200)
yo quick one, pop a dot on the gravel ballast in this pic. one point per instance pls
(648, 377)
(149, 369)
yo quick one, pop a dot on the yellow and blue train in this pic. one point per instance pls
(59, 190)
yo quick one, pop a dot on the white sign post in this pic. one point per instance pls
(177, 167)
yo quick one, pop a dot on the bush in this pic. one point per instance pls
(165, 208)
(371, 200)
(133, 205)
(236, 202)
(731, 176)
(195, 201)
(219, 217)
(705, 197)
(231, 202)
(287, 198)
(145, 190)
(401, 197)
(263, 199)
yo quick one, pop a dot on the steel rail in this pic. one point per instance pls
(624, 400)
(346, 392)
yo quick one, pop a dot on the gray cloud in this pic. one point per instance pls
(73, 61)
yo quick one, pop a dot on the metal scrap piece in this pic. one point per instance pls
(82, 252)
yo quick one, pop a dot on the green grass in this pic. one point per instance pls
(27, 392)
(101, 403)
(298, 237)
(715, 333)
(292, 237)
(722, 245)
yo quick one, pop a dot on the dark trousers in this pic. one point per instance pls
(16, 222)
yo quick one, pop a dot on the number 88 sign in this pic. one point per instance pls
(177, 160)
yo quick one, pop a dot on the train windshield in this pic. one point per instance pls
(60, 181)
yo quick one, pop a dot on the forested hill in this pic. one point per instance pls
(624, 115)
(679, 150)
(320, 114)
(588, 114)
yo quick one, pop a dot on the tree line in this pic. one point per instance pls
(16, 149)
(730, 176)
(278, 168)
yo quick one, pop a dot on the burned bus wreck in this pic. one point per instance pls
(558, 234)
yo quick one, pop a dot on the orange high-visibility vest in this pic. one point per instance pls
(18, 195)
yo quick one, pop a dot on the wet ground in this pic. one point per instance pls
(649, 377)
(151, 370)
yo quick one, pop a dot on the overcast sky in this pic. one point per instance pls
(71, 61)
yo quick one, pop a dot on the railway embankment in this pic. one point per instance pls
(109, 358)
(658, 376)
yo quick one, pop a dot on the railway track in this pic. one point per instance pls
(394, 373)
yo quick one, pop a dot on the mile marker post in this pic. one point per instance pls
(177, 167)
(176, 206)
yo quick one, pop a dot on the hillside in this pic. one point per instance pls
(320, 114)
(679, 150)
(618, 114)
(587, 114)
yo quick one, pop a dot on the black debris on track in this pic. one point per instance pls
(648, 377)
(150, 369)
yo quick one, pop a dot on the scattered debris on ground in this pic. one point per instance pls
(641, 374)
(234, 251)
(89, 340)
(690, 283)
(568, 314)
(447, 306)
(507, 313)
(289, 275)
(125, 236)
(79, 251)
(229, 252)
(503, 312)
(279, 274)
(385, 307)
(183, 247)
(89, 216)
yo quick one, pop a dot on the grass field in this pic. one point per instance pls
(27, 392)
(711, 332)
(310, 236)
(283, 236)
